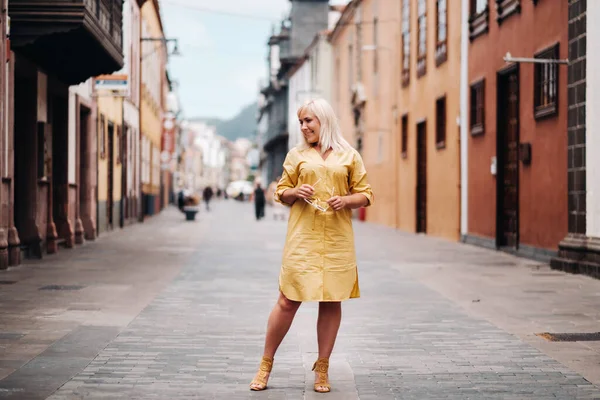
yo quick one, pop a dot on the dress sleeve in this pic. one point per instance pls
(358, 179)
(289, 177)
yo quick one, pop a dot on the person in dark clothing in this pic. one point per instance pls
(207, 194)
(259, 202)
(180, 200)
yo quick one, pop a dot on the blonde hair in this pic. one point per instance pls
(330, 135)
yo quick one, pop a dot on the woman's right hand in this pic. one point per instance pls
(304, 191)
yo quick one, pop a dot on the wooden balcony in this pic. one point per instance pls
(72, 39)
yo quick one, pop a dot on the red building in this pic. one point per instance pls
(517, 163)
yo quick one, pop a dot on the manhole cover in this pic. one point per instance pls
(62, 287)
(570, 337)
(7, 282)
(11, 336)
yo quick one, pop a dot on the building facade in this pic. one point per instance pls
(109, 159)
(153, 69)
(51, 161)
(347, 90)
(579, 251)
(398, 100)
(311, 77)
(427, 132)
(306, 19)
(518, 116)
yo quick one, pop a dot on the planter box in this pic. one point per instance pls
(190, 213)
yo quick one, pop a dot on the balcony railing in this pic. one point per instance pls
(83, 35)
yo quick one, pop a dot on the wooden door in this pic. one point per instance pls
(507, 234)
(421, 211)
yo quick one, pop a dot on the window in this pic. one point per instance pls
(546, 84)
(479, 19)
(440, 123)
(506, 8)
(102, 138)
(422, 38)
(404, 136)
(441, 49)
(405, 42)
(477, 108)
(478, 6)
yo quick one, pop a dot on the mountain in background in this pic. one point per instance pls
(243, 125)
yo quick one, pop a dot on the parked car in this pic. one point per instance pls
(240, 190)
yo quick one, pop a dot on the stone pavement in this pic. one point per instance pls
(175, 310)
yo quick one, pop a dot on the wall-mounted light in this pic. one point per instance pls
(165, 41)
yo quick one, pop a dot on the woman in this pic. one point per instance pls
(323, 179)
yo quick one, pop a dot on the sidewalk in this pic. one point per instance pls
(170, 310)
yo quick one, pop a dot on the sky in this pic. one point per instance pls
(223, 47)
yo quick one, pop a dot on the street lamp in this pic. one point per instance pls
(165, 41)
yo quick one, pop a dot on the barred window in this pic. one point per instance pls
(441, 49)
(546, 84)
(405, 42)
(477, 107)
(422, 37)
(478, 6)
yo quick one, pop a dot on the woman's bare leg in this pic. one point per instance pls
(280, 320)
(328, 324)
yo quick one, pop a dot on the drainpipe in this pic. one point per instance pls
(464, 124)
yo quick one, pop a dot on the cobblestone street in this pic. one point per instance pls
(171, 309)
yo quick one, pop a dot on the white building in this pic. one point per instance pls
(215, 153)
(239, 163)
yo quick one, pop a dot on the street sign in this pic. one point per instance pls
(113, 83)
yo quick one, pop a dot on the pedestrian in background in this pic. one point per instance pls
(259, 201)
(207, 194)
(323, 179)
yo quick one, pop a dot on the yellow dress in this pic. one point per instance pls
(319, 259)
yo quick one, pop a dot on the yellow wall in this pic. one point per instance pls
(151, 108)
(111, 108)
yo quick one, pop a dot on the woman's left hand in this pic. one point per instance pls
(338, 202)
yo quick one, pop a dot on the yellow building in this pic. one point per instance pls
(110, 131)
(154, 60)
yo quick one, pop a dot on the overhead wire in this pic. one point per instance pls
(209, 10)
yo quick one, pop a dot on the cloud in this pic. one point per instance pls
(188, 28)
(260, 8)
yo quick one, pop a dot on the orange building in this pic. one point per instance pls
(517, 158)
(397, 96)
(429, 99)
(365, 94)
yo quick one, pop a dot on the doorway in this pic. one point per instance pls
(110, 175)
(507, 213)
(421, 178)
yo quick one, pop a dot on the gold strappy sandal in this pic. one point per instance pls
(322, 383)
(260, 380)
